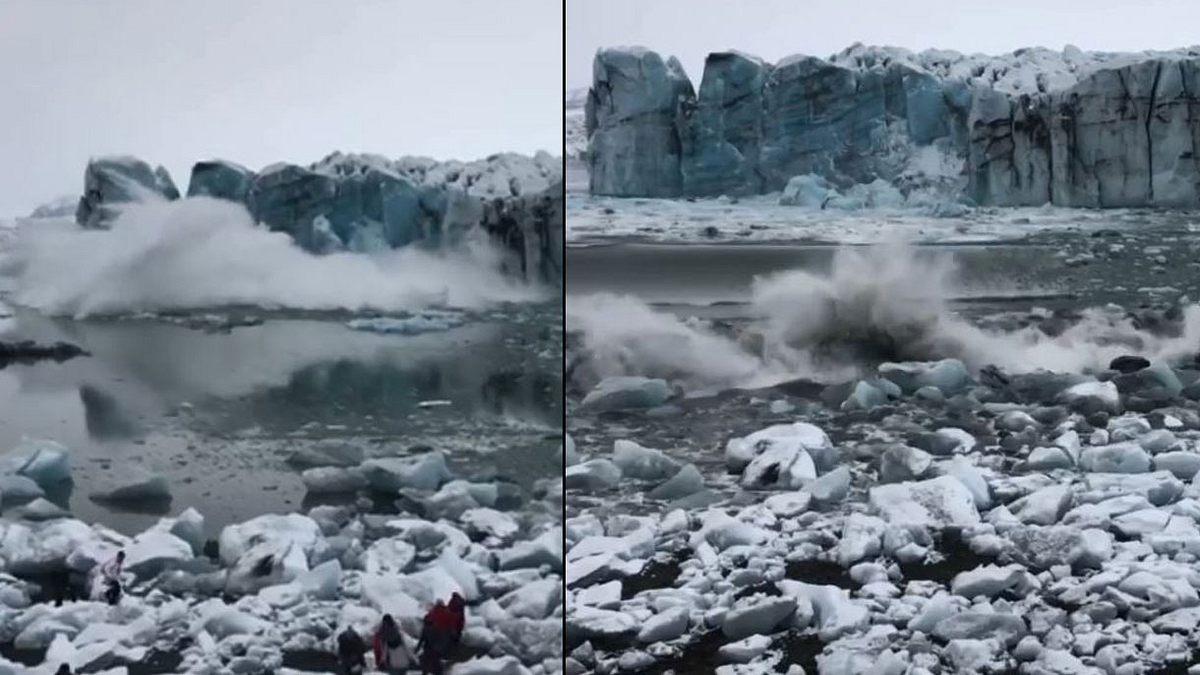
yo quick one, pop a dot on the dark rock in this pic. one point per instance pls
(28, 351)
(1128, 364)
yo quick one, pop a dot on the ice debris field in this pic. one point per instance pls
(270, 594)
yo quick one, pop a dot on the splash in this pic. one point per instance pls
(884, 303)
(202, 252)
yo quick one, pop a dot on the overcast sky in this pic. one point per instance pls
(772, 29)
(259, 81)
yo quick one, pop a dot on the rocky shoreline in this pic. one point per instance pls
(270, 594)
(924, 519)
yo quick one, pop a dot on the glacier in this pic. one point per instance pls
(1034, 127)
(366, 203)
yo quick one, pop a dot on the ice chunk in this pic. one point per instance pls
(537, 600)
(1128, 457)
(988, 580)
(332, 480)
(138, 487)
(937, 502)
(831, 487)
(808, 190)
(862, 537)
(784, 465)
(220, 179)
(723, 531)
(594, 475)
(152, 551)
(489, 665)
(1089, 397)
(1043, 507)
(901, 462)
(389, 556)
(45, 462)
(321, 582)
(978, 625)
(109, 182)
(1159, 487)
(756, 615)
(618, 393)
(423, 472)
(948, 375)
(635, 461)
(484, 522)
(15, 489)
(269, 549)
(834, 612)
(740, 451)
(589, 623)
(546, 549)
(686, 481)
(41, 509)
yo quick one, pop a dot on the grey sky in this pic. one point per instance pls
(772, 29)
(261, 81)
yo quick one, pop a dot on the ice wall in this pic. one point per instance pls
(1036, 126)
(367, 203)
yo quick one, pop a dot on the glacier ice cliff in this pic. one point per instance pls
(364, 203)
(1071, 128)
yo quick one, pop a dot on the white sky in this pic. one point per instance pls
(260, 81)
(772, 29)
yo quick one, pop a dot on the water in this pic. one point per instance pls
(218, 412)
(744, 315)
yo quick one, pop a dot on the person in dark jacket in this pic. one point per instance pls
(64, 669)
(457, 608)
(391, 651)
(351, 652)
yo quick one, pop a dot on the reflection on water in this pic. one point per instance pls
(218, 412)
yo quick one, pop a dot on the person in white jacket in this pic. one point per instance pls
(110, 577)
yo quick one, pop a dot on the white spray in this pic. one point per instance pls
(201, 252)
(880, 303)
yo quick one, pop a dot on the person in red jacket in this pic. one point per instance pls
(437, 638)
(391, 651)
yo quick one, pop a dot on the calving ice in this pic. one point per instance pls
(884, 362)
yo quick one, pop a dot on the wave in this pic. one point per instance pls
(875, 304)
(201, 253)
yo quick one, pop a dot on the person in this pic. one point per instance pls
(60, 586)
(434, 644)
(457, 607)
(110, 575)
(352, 652)
(391, 651)
(64, 669)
